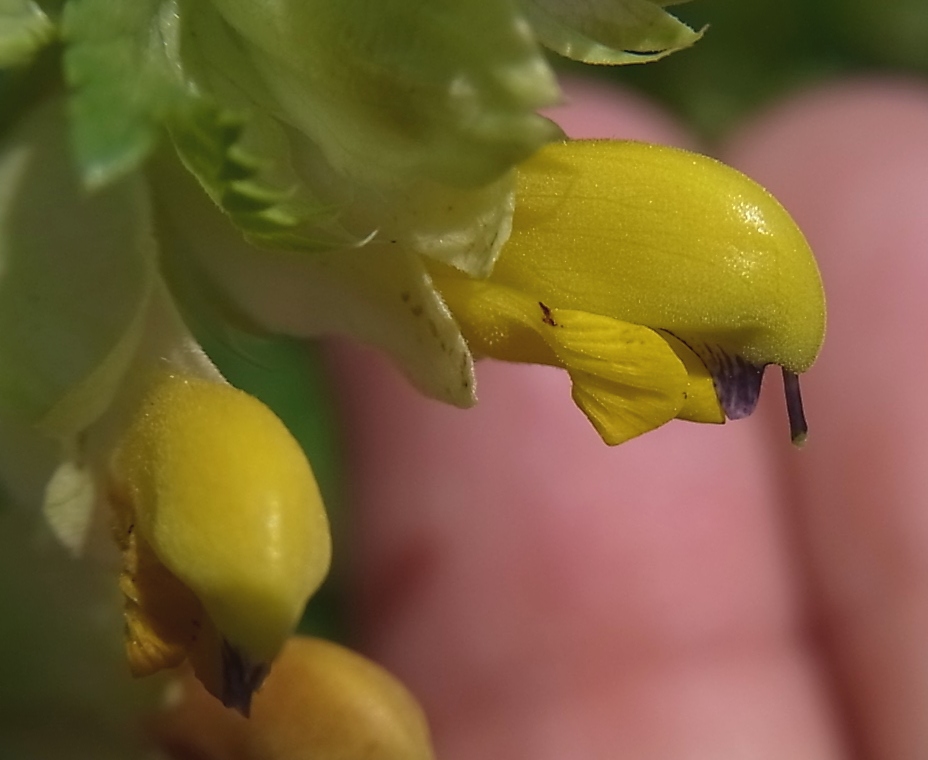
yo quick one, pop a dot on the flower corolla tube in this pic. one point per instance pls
(178, 172)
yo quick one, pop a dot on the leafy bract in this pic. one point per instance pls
(121, 61)
(609, 31)
(75, 276)
(24, 30)
(131, 81)
(237, 149)
(208, 144)
(443, 90)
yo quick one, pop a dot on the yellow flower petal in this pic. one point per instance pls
(496, 321)
(626, 378)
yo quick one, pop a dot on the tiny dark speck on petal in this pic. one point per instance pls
(405, 296)
(546, 315)
(416, 311)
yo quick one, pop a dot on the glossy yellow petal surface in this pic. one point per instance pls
(224, 497)
(669, 239)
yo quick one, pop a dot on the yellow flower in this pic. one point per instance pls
(664, 282)
(222, 530)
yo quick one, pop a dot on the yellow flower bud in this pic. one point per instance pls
(216, 506)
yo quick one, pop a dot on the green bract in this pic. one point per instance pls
(130, 82)
(122, 64)
(609, 31)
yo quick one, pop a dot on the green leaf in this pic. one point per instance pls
(443, 90)
(75, 275)
(24, 30)
(609, 32)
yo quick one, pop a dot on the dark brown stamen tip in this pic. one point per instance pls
(240, 678)
(798, 428)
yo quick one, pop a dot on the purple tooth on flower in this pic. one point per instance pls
(241, 678)
(738, 382)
